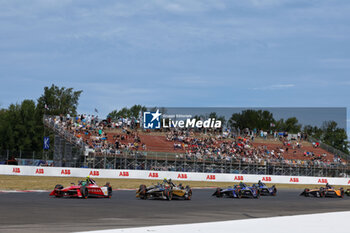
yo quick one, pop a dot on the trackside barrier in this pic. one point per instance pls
(156, 175)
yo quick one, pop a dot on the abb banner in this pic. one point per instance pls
(157, 175)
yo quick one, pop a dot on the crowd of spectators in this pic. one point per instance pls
(90, 131)
(227, 146)
(242, 149)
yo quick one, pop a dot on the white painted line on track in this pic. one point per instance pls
(310, 223)
(24, 191)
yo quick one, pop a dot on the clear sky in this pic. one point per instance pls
(271, 53)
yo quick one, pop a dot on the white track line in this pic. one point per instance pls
(311, 223)
(23, 191)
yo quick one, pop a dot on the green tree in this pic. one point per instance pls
(313, 131)
(334, 136)
(291, 125)
(329, 134)
(134, 112)
(251, 119)
(113, 115)
(59, 100)
(21, 125)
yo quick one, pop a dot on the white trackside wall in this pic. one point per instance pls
(156, 175)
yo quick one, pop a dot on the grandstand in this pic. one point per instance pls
(123, 145)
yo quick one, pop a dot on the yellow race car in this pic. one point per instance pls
(327, 191)
(166, 191)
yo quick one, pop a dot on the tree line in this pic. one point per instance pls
(21, 124)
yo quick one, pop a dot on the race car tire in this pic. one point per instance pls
(169, 195)
(257, 194)
(274, 191)
(58, 194)
(142, 192)
(322, 193)
(110, 190)
(218, 192)
(341, 193)
(230, 194)
(84, 192)
(188, 195)
(239, 194)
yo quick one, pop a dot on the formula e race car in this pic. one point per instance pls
(264, 190)
(327, 191)
(347, 192)
(238, 191)
(233, 192)
(166, 191)
(84, 189)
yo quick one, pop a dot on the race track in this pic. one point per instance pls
(36, 212)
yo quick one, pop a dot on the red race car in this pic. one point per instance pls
(84, 189)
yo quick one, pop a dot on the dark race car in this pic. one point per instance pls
(166, 191)
(233, 192)
(327, 191)
(264, 190)
(238, 191)
(249, 191)
(84, 189)
(347, 192)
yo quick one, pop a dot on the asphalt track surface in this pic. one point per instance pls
(36, 212)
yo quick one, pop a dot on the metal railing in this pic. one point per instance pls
(145, 160)
(58, 129)
(157, 161)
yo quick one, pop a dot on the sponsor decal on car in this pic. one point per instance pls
(95, 190)
(104, 190)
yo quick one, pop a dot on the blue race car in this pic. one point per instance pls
(247, 191)
(233, 192)
(237, 191)
(264, 190)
